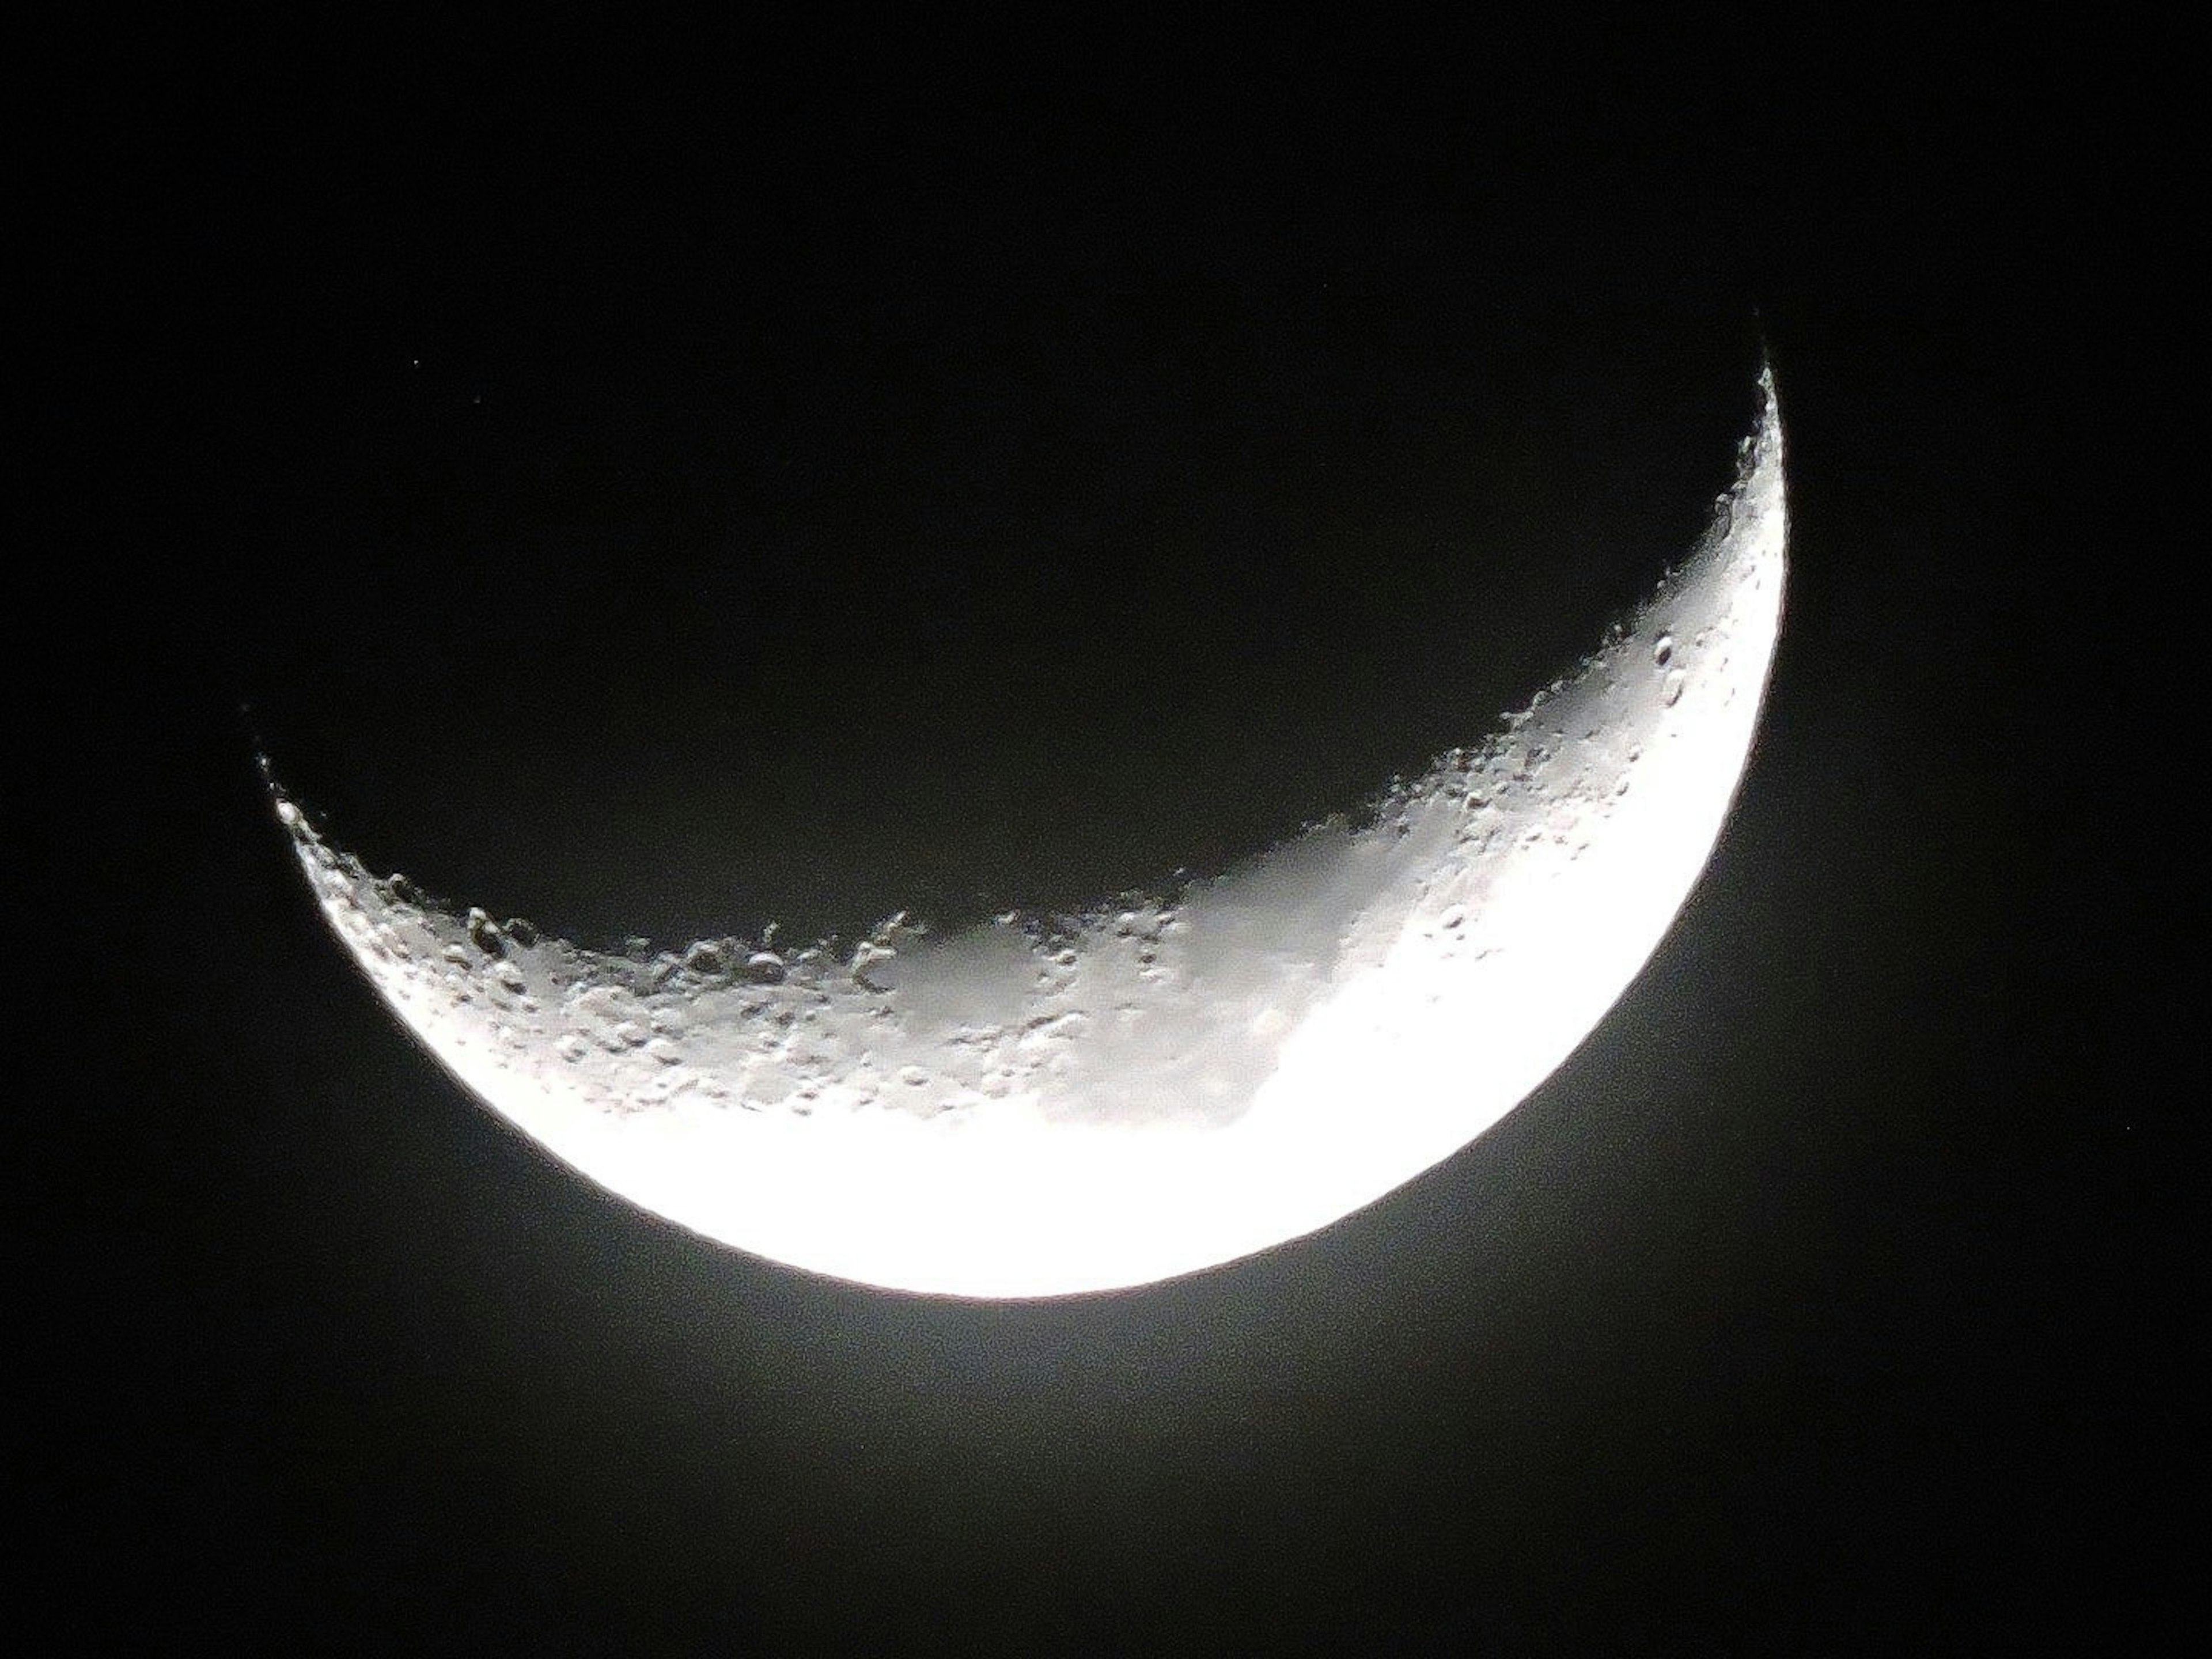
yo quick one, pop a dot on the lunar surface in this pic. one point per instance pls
(1039, 1106)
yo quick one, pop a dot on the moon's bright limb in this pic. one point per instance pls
(1160, 1085)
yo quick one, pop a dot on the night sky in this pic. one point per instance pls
(665, 488)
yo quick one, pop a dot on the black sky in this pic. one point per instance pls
(799, 485)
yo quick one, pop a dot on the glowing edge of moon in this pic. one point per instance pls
(1163, 1084)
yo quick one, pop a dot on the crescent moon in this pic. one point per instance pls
(1162, 1083)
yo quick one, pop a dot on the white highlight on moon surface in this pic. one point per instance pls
(1159, 1086)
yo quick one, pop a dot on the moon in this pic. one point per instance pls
(1036, 1107)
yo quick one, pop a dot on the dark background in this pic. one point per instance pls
(671, 486)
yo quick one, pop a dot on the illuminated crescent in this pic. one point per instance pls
(1157, 1085)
